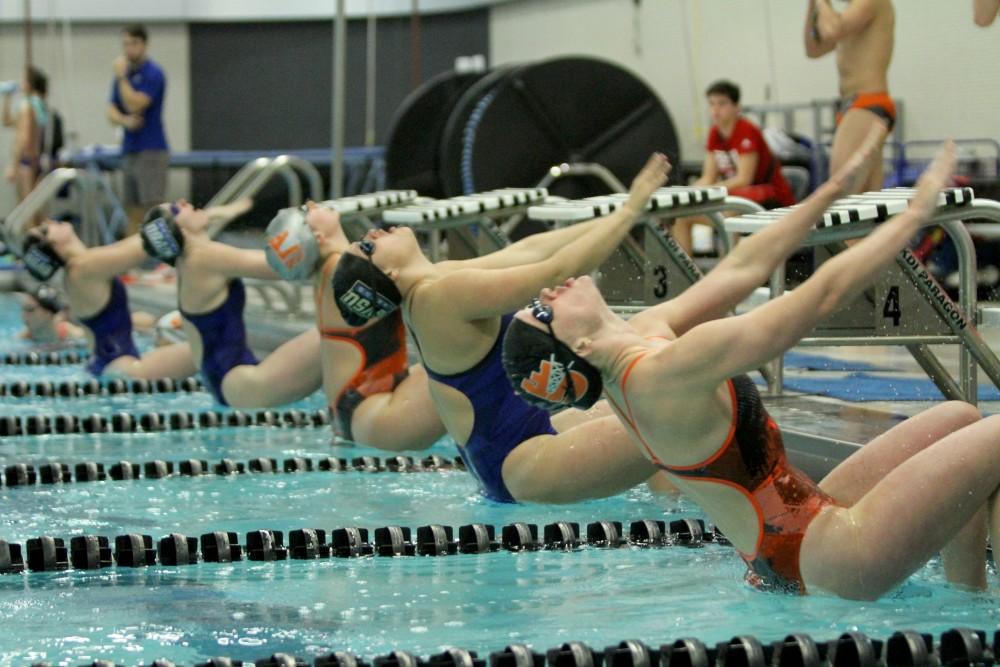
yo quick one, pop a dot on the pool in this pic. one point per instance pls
(248, 610)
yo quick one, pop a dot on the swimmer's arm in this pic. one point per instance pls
(746, 167)
(756, 257)
(235, 262)
(108, 261)
(729, 346)
(985, 11)
(722, 348)
(834, 27)
(539, 247)
(475, 293)
(814, 46)
(536, 247)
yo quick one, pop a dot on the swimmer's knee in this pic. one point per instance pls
(960, 411)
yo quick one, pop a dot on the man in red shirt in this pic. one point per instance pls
(737, 157)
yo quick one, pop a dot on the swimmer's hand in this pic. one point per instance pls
(937, 176)
(653, 176)
(846, 178)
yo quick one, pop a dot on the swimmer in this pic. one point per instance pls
(211, 297)
(98, 299)
(862, 35)
(675, 375)
(375, 396)
(458, 311)
(45, 321)
(985, 12)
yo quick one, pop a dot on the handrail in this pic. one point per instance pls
(22, 215)
(254, 175)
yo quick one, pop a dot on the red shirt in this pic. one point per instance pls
(747, 138)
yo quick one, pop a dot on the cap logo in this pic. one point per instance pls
(163, 243)
(40, 261)
(289, 256)
(549, 381)
(365, 302)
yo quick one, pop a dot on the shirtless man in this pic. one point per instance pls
(985, 11)
(862, 35)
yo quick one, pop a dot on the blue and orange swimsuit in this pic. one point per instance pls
(112, 330)
(752, 460)
(501, 419)
(223, 339)
(384, 360)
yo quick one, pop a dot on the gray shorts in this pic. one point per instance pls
(145, 177)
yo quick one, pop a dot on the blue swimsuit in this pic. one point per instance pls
(223, 339)
(112, 330)
(501, 420)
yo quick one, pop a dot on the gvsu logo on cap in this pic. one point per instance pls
(365, 302)
(160, 238)
(551, 381)
(40, 262)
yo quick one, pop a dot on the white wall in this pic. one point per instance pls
(79, 85)
(945, 68)
(223, 10)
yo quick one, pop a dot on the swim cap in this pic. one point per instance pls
(162, 237)
(40, 258)
(292, 250)
(540, 366)
(363, 291)
(48, 298)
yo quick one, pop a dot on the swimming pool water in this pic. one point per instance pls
(248, 610)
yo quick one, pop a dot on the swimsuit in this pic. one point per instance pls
(384, 362)
(879, 104)
(501, 419)
(112, 330)
(752, 460)
(223, 339)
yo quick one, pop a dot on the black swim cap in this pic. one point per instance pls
(40, 258)
(539, 367)
(162, 237)
(48, 298)
(362, 291)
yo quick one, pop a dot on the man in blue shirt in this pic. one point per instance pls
(136, 104)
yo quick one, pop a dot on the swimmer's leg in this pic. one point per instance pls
(963, 557)
(405, 418)
(168, 361)
(593, 459)
(850, 135)
(290, 373)
(920, 505)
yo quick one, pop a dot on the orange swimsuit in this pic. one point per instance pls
(752, 460)
(384, 361)
(879, 104)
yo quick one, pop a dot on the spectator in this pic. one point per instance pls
(136, 105)
(737, 157)
(29, 123)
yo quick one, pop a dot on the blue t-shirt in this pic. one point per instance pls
(148, 78)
